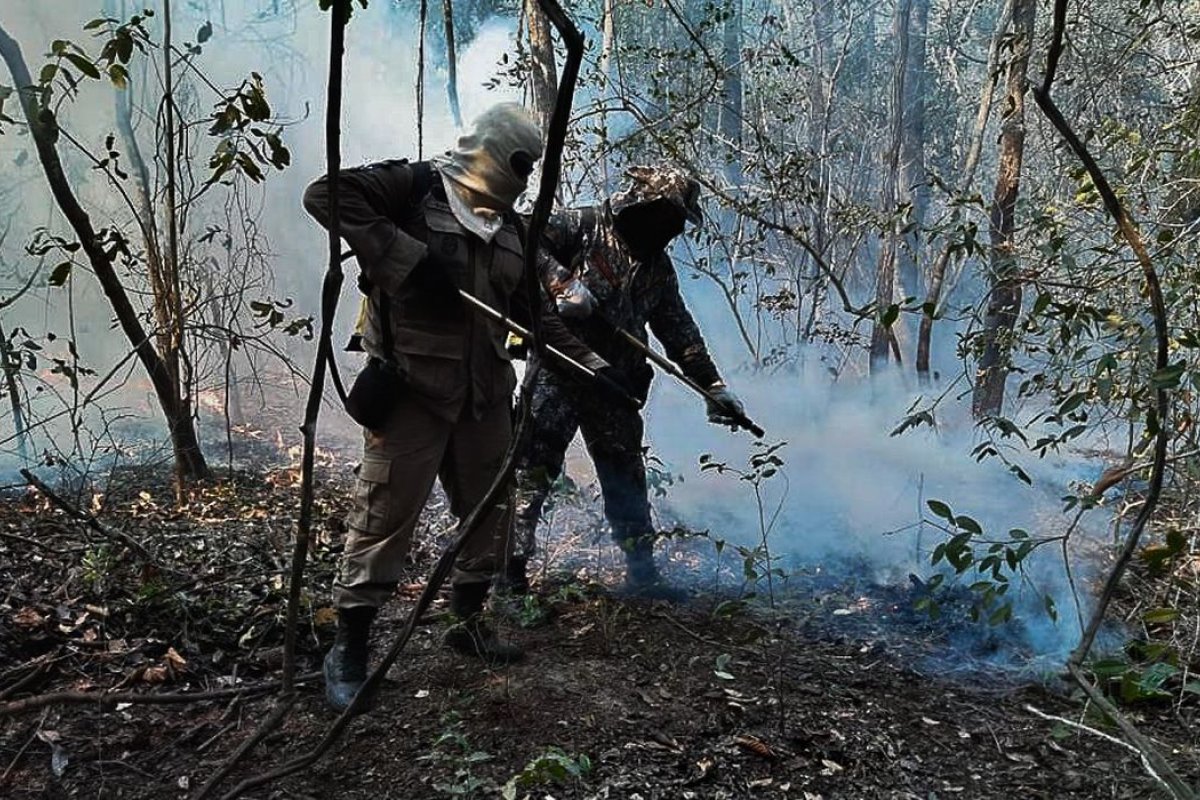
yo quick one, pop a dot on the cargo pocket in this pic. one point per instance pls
(371, 498)
(433, 362)
(447, 242)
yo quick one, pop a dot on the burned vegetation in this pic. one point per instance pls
(755, 398)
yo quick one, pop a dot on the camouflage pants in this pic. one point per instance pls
(613, 437)
(399, 465)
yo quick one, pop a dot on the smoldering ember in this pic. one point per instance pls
(620, 399)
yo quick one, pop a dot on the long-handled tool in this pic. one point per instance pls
(520, 330)
(666, 365)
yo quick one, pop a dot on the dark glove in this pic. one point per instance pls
(615, 383)
(724, 408)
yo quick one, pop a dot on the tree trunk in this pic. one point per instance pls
(731, 92)
(820, 101)
(913, 187)
(188, 457)
(543, 72)
(451, 62)
(937, 274)
(1004, 297)
(10, 363)
(885, 274)
(43, 131)
(608, 34)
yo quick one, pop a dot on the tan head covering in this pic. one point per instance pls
(482, 163)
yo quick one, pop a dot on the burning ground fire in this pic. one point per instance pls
(211, 400)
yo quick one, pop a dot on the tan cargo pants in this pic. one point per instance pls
(400, 463)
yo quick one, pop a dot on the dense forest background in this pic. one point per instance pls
(910, 277)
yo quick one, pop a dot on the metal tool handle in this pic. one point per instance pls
(739, 417)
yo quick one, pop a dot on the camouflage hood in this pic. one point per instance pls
(645, 185)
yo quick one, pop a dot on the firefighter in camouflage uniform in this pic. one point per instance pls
(608, 268)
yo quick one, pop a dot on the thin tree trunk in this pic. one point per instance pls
(330, 291)
(1004, 297)
(885, 273)
(937, 274)
(820, 95)
(543, 71)
(10, 363)
(451, 62)
(424, 17)
(913, 187)
(608, 34)
(189, 461)
(731, 92)
(44, 133)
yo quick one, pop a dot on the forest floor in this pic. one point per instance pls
(617, 698)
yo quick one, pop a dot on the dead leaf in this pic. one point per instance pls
(155, 674)
(705, 768)
(831, 767)
(666, 741)
(174, 661)
(755, 745)
(28, 618)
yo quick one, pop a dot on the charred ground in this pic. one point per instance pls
(618, 698)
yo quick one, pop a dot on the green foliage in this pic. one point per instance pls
(758, 561)
(554, 766)
(97, 564)
(1145, 672)
(269, 314)
(453, 749)
(986, 565)
(244, 145)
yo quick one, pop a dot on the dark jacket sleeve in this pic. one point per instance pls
(555, 332)
(673, 325)
(554, 247)
(561, 243)
(371, 201)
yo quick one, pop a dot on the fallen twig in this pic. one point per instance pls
(282, 706)
(17, 758)
(700, 638)
(90, 520)
(16, 537)
(109, 699)
(1157, 766)
(33, 675)
(1079, 726)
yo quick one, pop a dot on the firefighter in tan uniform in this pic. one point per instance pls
(421, 232)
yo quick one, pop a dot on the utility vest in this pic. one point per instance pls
(450, 354)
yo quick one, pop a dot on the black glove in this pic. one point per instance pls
(724, 408)
(615, 383)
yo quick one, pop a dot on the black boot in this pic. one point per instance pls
(346, 661)
(471, 635)
(516, 576)
(642, 578)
